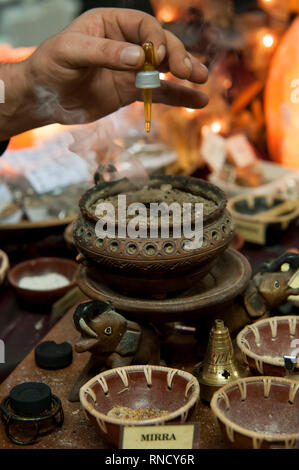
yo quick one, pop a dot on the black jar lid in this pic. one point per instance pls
(50, 355)
(30, 398)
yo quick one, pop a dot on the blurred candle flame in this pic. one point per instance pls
(216, 127)
(268, 40)
(166, 14)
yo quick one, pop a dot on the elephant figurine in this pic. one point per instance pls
(112, 340)
(269, 288)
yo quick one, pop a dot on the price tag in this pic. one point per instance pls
(213, 151)
(171, 436)
(240, 151)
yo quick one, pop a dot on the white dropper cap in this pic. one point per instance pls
(147, 79)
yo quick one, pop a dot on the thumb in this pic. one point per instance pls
(76, 49)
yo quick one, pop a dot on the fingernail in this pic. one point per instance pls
(188, 63)
(130, 55)
(161, 52)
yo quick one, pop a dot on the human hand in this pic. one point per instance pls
(88, 70)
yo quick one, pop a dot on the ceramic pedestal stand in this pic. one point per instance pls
(225, 281)
(211, 296)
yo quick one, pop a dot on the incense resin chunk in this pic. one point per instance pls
(123, 412)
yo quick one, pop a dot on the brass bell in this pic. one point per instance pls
(219, 366)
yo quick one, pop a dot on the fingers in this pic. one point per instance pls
(181, 63)
(199, 73)
(149, 29)
(76, 50)
(178, 60)
(122, 24)
(174, 94)
(136, 27)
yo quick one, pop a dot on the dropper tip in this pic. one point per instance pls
(147, 126)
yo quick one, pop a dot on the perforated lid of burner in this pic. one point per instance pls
(30, 398)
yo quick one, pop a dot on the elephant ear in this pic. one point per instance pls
(129, 343)
(253, 301)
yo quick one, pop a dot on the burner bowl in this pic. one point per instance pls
(154, 265)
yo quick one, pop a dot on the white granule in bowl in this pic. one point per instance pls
(46, 281)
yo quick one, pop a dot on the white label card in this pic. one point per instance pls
(213, 151)
(68, 169)
(171, 436)
(240, 151)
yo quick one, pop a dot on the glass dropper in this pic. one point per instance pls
(147, 79)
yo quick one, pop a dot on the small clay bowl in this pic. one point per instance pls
(258, 413)
(41, 266)
(265, 343)
(136, 387)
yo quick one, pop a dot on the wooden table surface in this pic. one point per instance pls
(76, 432)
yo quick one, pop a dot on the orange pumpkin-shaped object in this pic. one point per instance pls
(282, 100)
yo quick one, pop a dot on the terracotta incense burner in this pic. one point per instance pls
(159, 265)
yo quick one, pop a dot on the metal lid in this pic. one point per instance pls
(50, 355)
(147, 79)
(30, 398)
